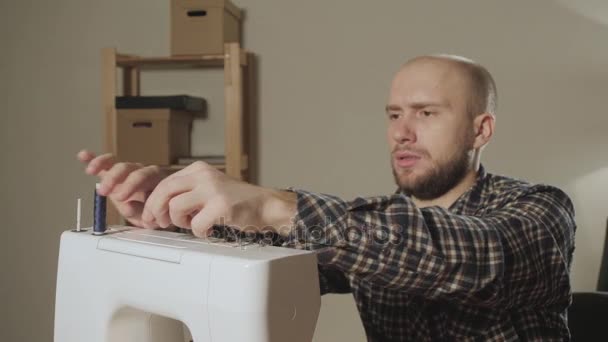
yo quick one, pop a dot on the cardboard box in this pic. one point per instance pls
(153, 136)
(203, 26)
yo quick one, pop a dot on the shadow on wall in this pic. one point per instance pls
(550, 127)
(551, 123)
(556, 131)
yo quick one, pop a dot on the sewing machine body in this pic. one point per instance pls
(141, 285)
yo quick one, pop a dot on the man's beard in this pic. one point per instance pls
(440, 179)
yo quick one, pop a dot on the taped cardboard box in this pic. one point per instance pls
(153, 136)
(203, 26)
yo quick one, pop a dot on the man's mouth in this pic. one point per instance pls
(406, 159)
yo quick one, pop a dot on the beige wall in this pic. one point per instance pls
(324, 69)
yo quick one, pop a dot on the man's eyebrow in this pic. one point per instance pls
(392, 108)
(415, 105)
(423, 104)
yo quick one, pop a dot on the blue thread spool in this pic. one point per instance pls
(99, 218)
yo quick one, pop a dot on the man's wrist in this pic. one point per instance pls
(279, 211)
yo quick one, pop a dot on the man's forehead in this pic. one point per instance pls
(423, 79)
(431, 70)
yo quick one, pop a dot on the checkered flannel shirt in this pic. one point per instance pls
(492, 267)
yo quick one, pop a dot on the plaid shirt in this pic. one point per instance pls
(492, 267)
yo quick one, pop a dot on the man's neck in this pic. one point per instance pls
(447, 199)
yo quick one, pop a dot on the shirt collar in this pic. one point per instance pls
(471, 199)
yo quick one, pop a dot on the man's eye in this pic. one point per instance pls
(393, 116)
(427, 113)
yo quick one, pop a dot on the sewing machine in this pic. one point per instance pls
(141, 285)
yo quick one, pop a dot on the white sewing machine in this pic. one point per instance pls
(140, 286)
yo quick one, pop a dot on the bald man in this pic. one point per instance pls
(455, 254)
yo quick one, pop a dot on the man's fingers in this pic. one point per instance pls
(100, 163)
(199, 170)
(158, 198)
(85, 156)
(209, 215)
(115, 176)
(157, 204)
(141, 180)
(130, 209)
(188, 170)
(183, 207)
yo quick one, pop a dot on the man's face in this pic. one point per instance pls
(430, 132)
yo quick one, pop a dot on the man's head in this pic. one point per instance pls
(441, 114)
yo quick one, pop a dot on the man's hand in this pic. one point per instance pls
(200, 196)
(127, 185)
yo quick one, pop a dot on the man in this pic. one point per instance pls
(456, 254)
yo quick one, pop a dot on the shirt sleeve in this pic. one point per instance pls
(333, 280)
(516, 255)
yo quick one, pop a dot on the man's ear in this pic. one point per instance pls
(483, 125)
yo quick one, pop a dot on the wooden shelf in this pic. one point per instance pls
(220, 166)
(192, 61)
(235, 63)
(177, 167)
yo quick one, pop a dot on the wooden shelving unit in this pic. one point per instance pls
(234, 62)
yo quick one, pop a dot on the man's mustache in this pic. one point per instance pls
(417, 151)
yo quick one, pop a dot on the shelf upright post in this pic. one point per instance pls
(233, 135)
(108, 89)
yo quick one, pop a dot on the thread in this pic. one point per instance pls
(99, 217)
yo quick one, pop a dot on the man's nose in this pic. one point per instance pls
(404, 129)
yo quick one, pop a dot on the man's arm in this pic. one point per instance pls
(281, 208)
(333, 280)
(518, 255)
